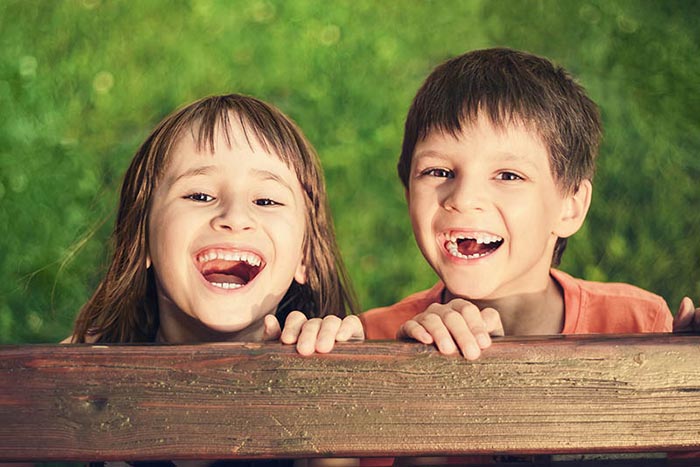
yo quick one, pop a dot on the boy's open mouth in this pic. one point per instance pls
(473, 245)
(229, 269)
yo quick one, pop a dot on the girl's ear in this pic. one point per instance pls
(300, 273)
(574, 210)
(148, 260)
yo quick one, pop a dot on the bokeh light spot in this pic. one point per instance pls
(262, 12)
(27, 66)
(18, 183)
(330, 35)
(627, 24)
(34, 321)
(103, 82)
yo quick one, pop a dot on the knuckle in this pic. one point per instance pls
(431, 320)
(331, 319)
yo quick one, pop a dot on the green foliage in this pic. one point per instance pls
(83, 82)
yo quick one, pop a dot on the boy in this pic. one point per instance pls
(498, 156)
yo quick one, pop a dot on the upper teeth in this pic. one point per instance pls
(247, 257)
(478, 237)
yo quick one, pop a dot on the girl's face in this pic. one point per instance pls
(226, 233)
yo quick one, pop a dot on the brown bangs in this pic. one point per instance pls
(269, 127)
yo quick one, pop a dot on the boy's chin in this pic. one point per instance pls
(467, 293)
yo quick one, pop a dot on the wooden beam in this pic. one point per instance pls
(573, 394)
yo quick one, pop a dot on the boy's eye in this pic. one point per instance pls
(508, 176)
(266, 202)
(200, 197)
(440, 173)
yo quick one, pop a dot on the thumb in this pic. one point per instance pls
(683, 321)
(494, 325)
(271, 329)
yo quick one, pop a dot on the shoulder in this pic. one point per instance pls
(612, 307)
(384, 322)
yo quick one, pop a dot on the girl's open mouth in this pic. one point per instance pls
(472, 245)
(229, 269)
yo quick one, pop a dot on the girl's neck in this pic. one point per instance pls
(180, 328)
(537, 313)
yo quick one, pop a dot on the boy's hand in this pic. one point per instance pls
(457, 325)
(688, 317)
(317, 334)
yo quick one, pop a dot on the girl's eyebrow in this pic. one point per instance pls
(267, 175)
(194, 171)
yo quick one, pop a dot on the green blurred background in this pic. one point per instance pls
(83, 82)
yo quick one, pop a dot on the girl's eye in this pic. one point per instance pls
(508, 176)
(439, 173)
(266, 202)
(200, 197)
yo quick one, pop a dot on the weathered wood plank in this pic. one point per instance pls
(214, 401)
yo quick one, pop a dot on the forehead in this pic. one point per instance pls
(482, 136)
(214, 145)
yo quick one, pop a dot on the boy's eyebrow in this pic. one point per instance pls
(429, 153)
(511, 157)
(502, 157)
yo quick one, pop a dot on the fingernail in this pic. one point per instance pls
(472, 352)
(447, 347)
(483, 340)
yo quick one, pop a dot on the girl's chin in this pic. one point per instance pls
(233, 330)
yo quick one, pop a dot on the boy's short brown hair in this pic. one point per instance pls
(510, 86)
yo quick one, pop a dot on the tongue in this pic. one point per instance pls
(470, 247)
(227, 272)
(225, 279)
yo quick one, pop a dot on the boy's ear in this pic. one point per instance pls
(574, 210)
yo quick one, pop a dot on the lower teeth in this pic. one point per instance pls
(226, 285)
(454, 251)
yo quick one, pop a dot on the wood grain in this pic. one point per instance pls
(214, 401)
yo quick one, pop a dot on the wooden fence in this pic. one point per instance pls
(525, 396)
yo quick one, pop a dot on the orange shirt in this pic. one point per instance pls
(589, 308)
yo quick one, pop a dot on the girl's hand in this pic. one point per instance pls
(455, 326)
(319, 335)
(688, 317)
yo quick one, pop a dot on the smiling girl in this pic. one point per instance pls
(222, 233)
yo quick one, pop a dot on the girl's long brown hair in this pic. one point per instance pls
(124, 306)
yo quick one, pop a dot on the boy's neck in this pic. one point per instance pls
(538, 313)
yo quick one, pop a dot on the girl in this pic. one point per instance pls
(223, 232)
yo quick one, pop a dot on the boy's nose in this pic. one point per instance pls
(463, 195)
(233, 216)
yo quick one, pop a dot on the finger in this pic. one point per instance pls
(683, 321)
(306, 344)
(696, 315)
(435, 326)
(465, 333)
(494, 325)
(350, 329)
(413, 330)
(326, 335)
(271, 328)
(292, 327)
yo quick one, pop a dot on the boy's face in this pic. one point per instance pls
(486, 211)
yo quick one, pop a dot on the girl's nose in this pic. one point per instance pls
(462, 194)
(233, 216)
